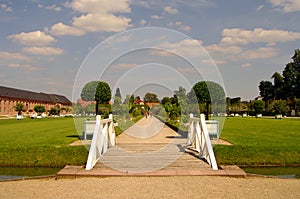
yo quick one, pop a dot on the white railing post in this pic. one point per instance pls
(198, 137)
(111, 132)
(191, 131)
(103, 136)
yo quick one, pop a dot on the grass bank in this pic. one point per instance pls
(260, 142)
(40, 143)
(257, 141)
(45, 142)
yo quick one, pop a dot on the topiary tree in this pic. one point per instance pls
(39, 109)
(96, 91)
(258, 106)
(19, 108)
(103, 94)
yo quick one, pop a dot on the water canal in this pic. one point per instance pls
(14, 173)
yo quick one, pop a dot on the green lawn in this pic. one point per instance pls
(40, 142)
(260, 141)
(45, 142)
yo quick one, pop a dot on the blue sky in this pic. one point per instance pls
(44, 43)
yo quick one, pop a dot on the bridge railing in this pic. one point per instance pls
(198, 138)
(103, 138)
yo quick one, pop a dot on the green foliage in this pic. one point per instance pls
(151, 97)
(118, 93)
(96, 91)
(258, 106)
(19, 108)
(103, 93)
(39, 108)
(285, 86)
(182, 100)
(207, 91)
(266, 90)
(280, 107)
(89, 90)
(54, 111)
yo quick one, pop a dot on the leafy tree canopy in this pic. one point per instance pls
(39, 108)
(207, 91)
(19, 108)
(151, 97)
(103, 93)
(89, 90)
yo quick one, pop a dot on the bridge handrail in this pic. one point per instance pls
(103, 138)
(198, 137)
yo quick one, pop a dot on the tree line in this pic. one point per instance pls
(282, 96)
(203, 97)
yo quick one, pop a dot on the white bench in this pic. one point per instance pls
(89, 127)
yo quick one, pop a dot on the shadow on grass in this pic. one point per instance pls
(73, 136)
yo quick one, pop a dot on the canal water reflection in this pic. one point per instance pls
(280, 172)
(9, 173)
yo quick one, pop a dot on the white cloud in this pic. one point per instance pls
(235, 53)
(100, 6)
(247, 65)
(13, 56)
(237, 36)
(98, 17)
(224, 50)
(179, 25)
(260, 53)
(45, 51)
(54, 7)
(26, 67)
(123, 66)
(60, 29)
(143, 22)
(51, 7)
(101, 22)
(286, 5)
(184, 47)
(170, 10)
(36, 38)
(259, 8)
(156, 17)
(6, 8)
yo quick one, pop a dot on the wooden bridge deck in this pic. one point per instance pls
(150, 148)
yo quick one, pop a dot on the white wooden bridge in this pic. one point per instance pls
(151, 148)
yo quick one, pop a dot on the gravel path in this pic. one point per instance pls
(152, 187)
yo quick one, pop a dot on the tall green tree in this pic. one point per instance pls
(89, 90)
(96, 91)
(278, 85)
(266, 90)
(118, 93)
(182, 100)
(117, 102)
(291, 77)
(209, 92)
(103, 94)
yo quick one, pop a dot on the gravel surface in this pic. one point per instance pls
(152, 187)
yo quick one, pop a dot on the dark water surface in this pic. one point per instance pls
(280, 172)
(9, 173)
